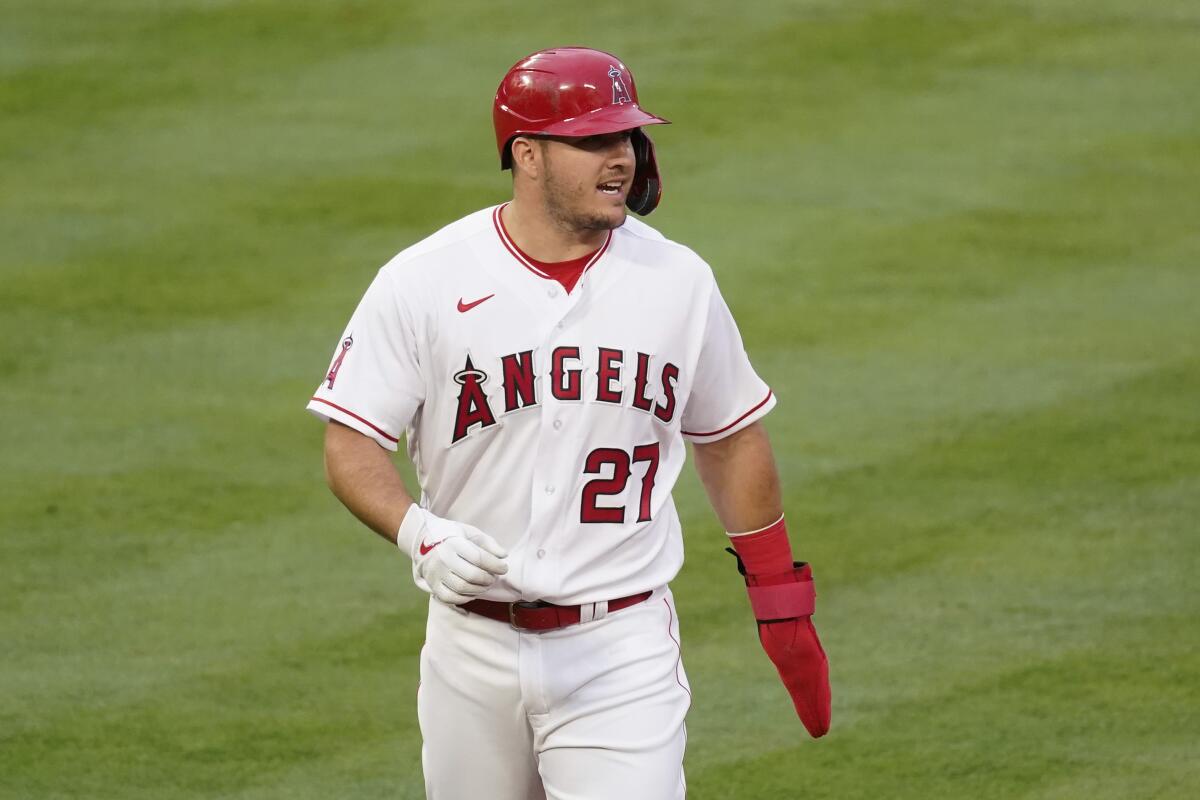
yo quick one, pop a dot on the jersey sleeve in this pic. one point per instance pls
(374, 383)
(726, 393)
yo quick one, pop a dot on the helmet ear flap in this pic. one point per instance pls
(506, 155)
(647, 184)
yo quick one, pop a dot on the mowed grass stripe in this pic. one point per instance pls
(1065, 336)
(230, 714)
(171, 55)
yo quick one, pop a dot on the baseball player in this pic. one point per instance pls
(546, 360)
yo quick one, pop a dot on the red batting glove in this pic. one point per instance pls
(783, 602)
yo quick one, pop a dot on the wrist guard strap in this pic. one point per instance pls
(784, 595)
(783, 600)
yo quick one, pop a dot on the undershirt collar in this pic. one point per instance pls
(567, 273)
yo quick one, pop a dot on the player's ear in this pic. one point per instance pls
(525, 156)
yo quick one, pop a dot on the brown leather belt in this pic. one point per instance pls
(541, 616)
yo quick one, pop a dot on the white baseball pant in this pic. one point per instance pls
(593, 711)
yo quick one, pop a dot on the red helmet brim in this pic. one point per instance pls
(608, 119)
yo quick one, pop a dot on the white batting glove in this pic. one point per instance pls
(452, 561)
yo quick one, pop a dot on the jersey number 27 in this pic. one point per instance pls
(597, 463)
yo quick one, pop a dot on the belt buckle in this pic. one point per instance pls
(512, 612)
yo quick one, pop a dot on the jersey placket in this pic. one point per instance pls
(550, 491)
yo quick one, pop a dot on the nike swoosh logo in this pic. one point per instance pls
(465, 307)
(425, 549)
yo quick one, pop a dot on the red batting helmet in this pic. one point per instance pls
(577, 91)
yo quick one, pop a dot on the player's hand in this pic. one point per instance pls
(452, 561)
(783, 605)
(794, 649)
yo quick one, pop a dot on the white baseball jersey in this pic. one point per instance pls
(554, 422)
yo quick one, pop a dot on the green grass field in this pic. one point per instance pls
(963, 243)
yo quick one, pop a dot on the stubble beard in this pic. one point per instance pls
(558, 201)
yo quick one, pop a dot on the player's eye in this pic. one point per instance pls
(601, 140)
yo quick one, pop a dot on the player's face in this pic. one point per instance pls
(585, 180)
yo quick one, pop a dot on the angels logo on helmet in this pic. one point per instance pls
(620, 93)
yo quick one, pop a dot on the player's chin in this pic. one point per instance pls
(610, 212)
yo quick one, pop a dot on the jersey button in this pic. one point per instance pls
(558, 424)
(541, 554)
(552, 292)
(549, 490)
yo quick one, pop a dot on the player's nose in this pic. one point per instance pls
(619, 150)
